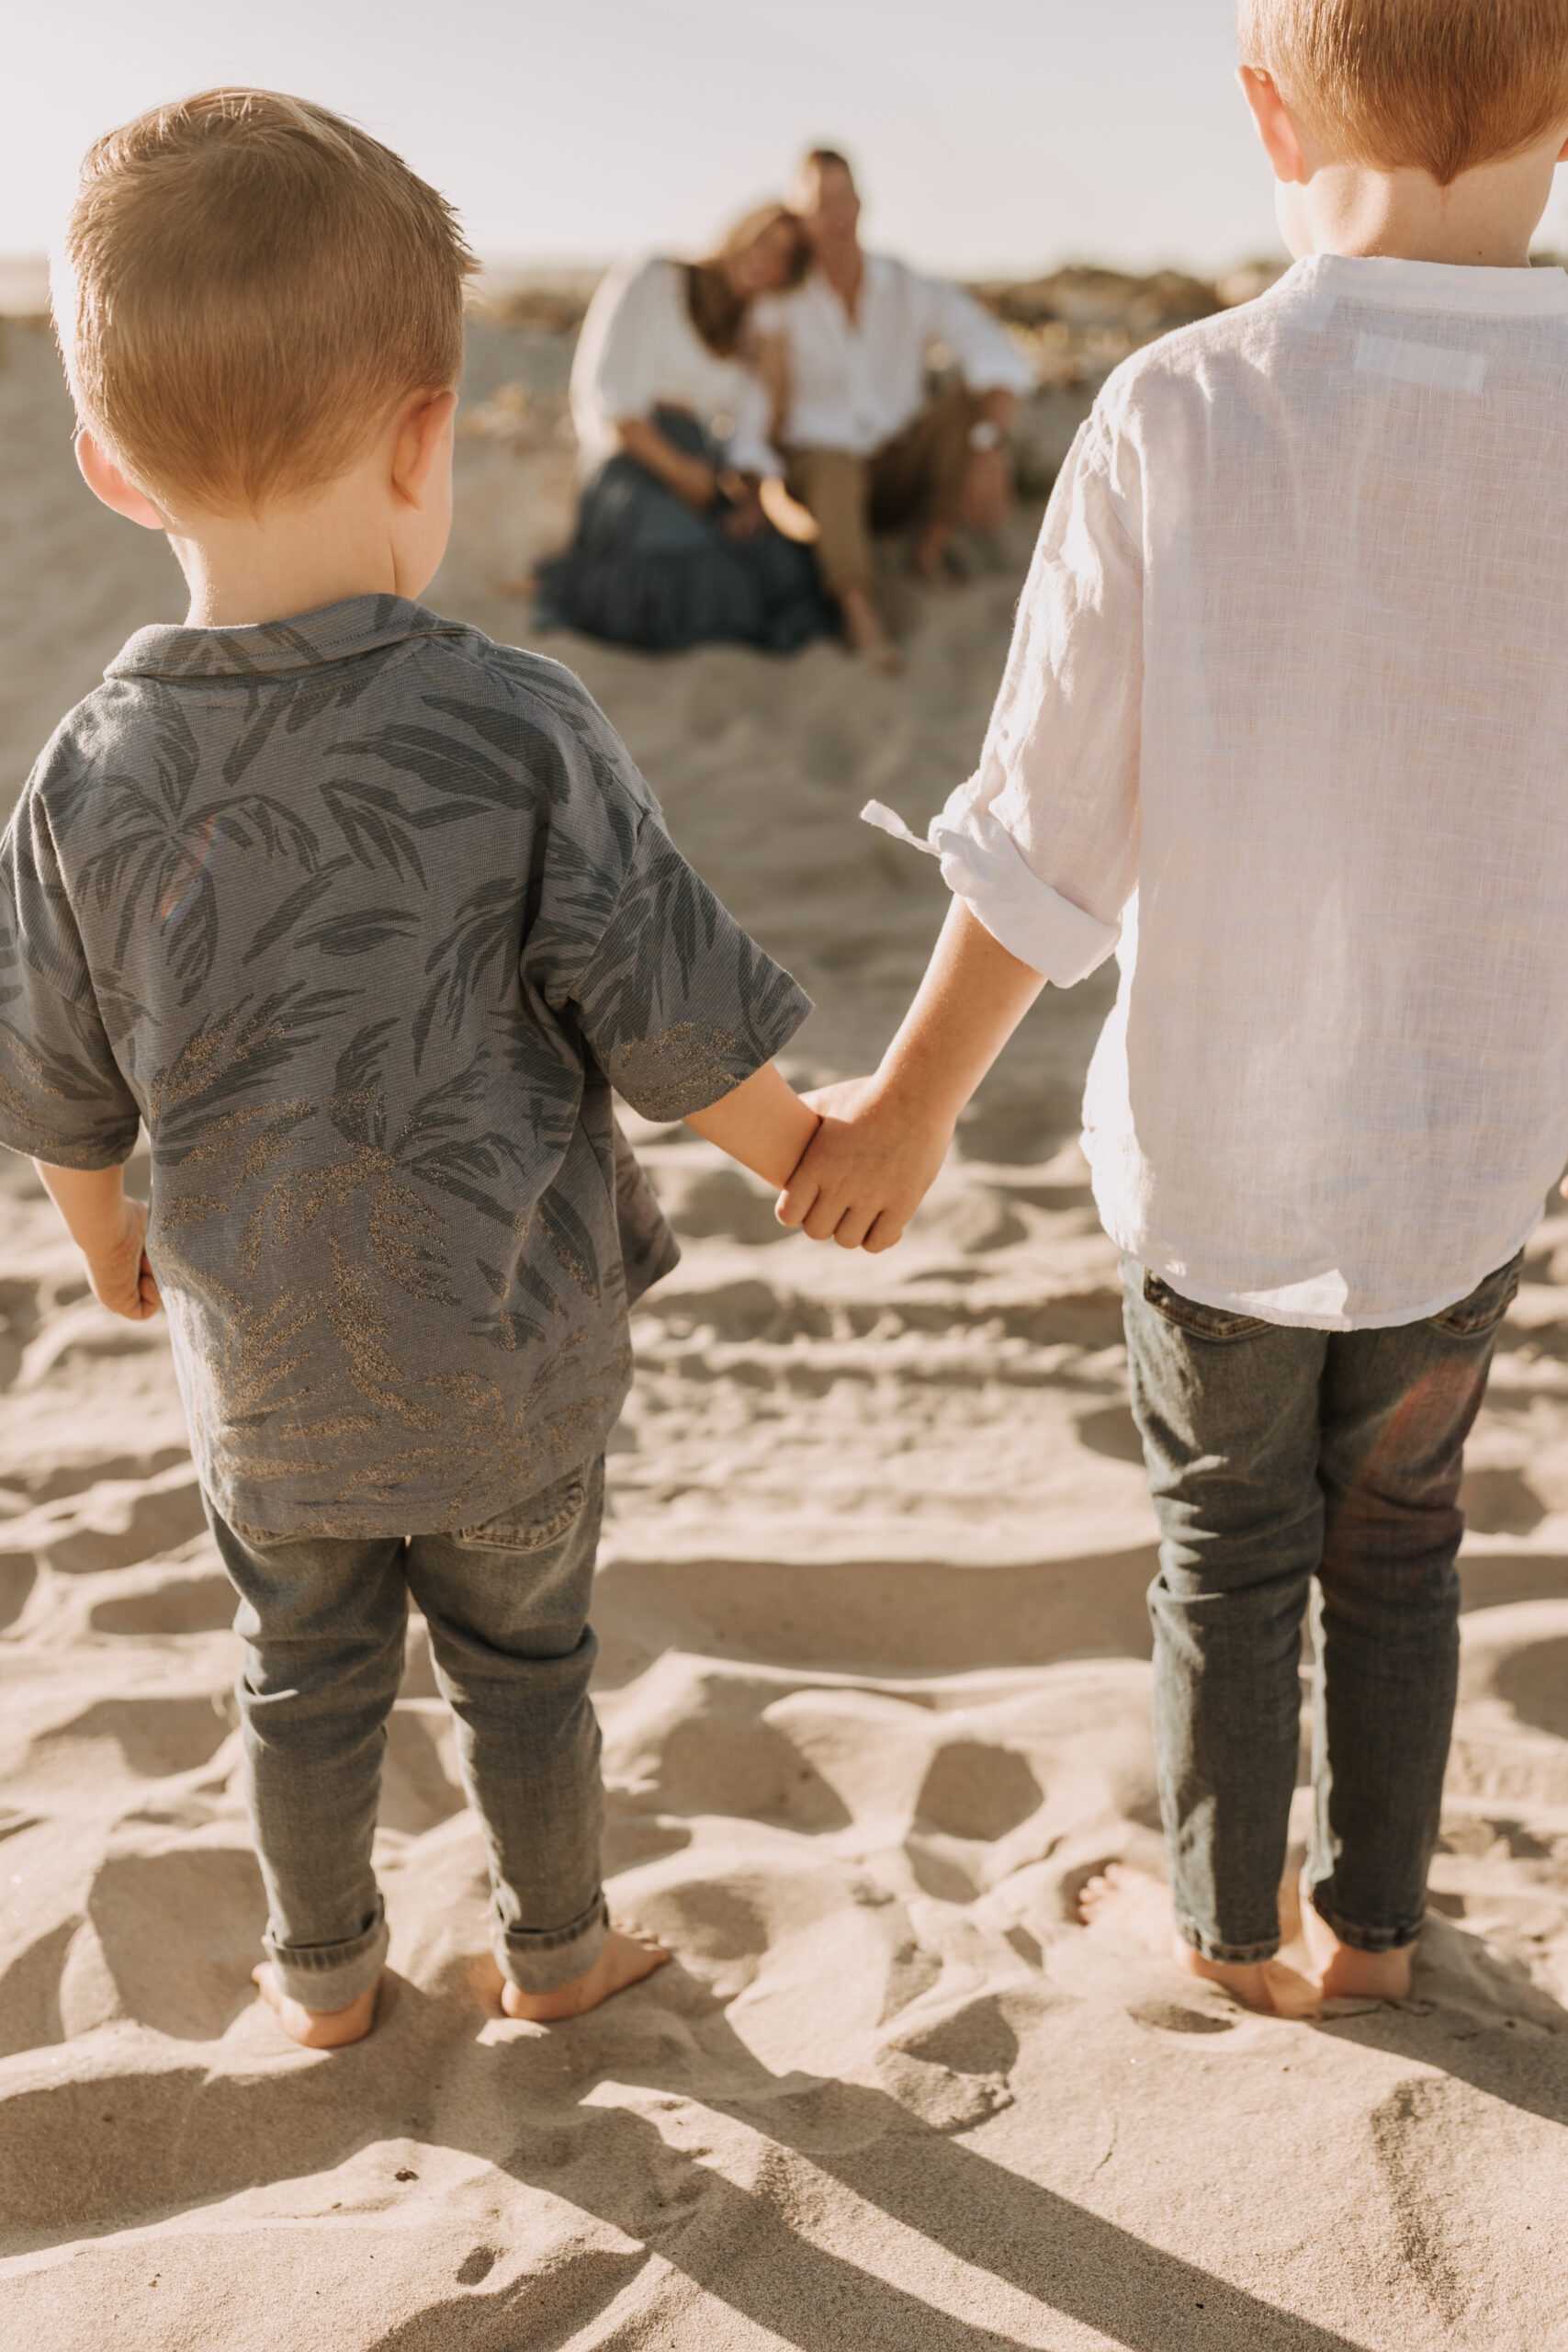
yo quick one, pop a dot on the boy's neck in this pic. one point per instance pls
(244, 568)
(1485, 220)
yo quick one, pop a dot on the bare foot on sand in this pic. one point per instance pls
(1137, 1906)
(1346, 1974)
(867, 635)
(626, 1960)
(316, 2028)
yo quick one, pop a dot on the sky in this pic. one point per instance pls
(990, 135)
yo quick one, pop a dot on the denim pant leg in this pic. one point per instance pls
(507, 1607)
(322, 1620)
(1228, 1407)
(1397, 1406)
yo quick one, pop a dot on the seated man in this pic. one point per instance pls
(864, 445)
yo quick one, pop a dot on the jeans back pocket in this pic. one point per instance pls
(1487, 1302)
(537, 1520)
(1192, 1315)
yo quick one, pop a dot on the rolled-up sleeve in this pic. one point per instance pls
(63, 1097)
(1042, 843)
(986, 352)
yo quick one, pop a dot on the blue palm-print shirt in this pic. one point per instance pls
(363, 916)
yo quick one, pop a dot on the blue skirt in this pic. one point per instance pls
(646, 570)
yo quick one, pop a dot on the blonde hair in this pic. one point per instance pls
(251, 284)
(1431, 85)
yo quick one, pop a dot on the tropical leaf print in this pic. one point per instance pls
(196, 1104)
(161, 847)
(486, 935)
(359, 930)
(445, 765)
(406, 1235)
(294, 700)
(378, 828)
(294, 907)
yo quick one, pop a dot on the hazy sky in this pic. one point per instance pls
(991, 134)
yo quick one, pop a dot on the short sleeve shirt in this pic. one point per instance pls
(364, 916)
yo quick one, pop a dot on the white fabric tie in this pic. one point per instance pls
(982, 864)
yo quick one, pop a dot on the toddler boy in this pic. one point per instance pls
(1290, 679)
(361, 915)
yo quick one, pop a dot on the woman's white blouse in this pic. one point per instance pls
(639, 351)
(1289, 680)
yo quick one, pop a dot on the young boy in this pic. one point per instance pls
(361, 915)
(1290, 676)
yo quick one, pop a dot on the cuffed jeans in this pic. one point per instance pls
(323, 1622)
(1277, 1456)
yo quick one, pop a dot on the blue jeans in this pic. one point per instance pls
(323, 1620)
(1277, 1456)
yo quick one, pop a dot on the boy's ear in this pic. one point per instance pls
(1273, 122)
(424, 433)
(106, 482)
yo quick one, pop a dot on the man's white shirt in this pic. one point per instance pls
(854, 383)
(1285, 725)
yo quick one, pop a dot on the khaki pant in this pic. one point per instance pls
(917, 477)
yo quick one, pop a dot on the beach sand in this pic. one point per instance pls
(876, 1695)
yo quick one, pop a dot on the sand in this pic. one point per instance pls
(876, 1694)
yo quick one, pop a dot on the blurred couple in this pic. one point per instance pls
(748, 421)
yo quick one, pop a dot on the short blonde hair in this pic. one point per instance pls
(1433, 85)
(251, 284)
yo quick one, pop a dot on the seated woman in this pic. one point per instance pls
(672, 547)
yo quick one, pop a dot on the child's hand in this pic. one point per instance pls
(110, 1230)
(118, 1270)
(867, 1170)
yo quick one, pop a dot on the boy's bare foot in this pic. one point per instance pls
(316, 2028)
(867, 635)
(625, 1960)
(1133, 1904)
(1346, 1974)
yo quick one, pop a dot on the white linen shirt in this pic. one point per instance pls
(856, 382)
(639, 351)
(1289, 684)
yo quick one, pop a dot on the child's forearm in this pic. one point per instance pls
(971, 999)
(91, 1201)
(763, 1123)
(110, 1231)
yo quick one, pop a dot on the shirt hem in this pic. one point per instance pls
(1234, 1302)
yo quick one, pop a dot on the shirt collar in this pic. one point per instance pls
(271, 649)
(1428, 285)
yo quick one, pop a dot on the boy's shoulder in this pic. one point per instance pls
(444, 681)
(1199, 355)
(530, 707)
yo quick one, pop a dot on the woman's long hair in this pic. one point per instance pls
(716, 311)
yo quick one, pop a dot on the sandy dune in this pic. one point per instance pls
(875, 1696)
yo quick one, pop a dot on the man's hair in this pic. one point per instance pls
(251, 286)
(826, 159)
(1434, 85)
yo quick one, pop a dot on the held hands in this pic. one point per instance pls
(868, 1168)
